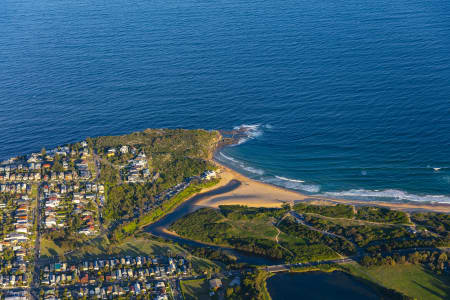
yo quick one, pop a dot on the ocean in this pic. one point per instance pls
(345, 99)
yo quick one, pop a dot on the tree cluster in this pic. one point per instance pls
(336, 211)
(381, 215)
(436, 261)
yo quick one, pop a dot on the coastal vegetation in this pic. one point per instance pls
(315, 238)
(367, 213)
(376, 237)
(275, 233)
(253, 230)
(210, 226)
(381, 215)
(360, 233)
(156, 142)
(436, 222)
(129, 228)
(337, 211)
(435, 261)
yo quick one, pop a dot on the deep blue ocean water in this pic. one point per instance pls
(346, 98)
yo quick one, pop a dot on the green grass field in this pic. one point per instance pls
(50, 249)
(133, 246)
(258, 228)
(412, 280)
(197, 289)
(101, 246)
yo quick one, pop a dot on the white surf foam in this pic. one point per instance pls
(289, 179)
(293, 184)
(281, 181)
(241, 165)
(228, 157)
(436, 169)
(251, 132)
(387, 194)
(254, 170)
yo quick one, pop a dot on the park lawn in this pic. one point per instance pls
(97, 246)
(412, 280)
(257, 228)
(91, 166)
(263, 228)
(142, 245)
(133, 246)
(291, 239)
(34, 191)
(49, 249)
(197, 289)
(101, 246)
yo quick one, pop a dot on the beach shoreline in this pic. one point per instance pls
(254, 193)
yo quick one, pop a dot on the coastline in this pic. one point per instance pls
(250, 192)
(259, 194)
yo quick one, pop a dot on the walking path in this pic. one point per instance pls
(278, 242)
(300, 220)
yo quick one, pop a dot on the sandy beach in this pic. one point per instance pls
(257, 194)
(250, 192)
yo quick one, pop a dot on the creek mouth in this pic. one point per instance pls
(161, 227)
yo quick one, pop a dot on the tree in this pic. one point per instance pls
(229, 292)
(442, 258)
(57, 166)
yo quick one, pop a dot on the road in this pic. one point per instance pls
(97, 176)
(360, 253)
(286, 267)
(37, 247)
(300, 220)
(176, 289)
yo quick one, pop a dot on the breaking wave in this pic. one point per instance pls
(251, 132)
(293, 184)
(288, 179)
(240, 164)
(355, 194)
(390, 194)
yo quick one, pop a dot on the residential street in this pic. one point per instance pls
(34, 291)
